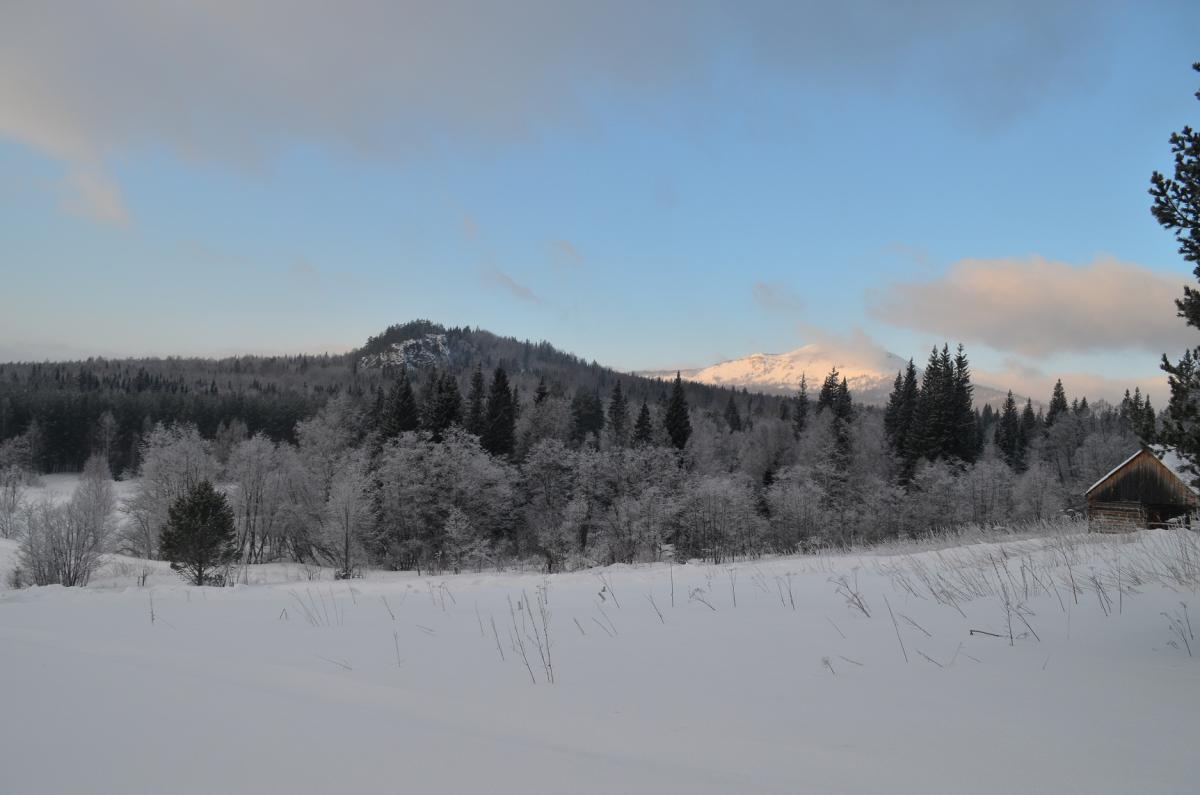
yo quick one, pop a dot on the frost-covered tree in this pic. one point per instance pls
(174, 459)
(347, 515)
(62, 544)
(420, 480)
(718, 518)
(256, 475)
(464, 548)
(12, 500)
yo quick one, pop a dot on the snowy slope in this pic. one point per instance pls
(869, 374)
(759, 677)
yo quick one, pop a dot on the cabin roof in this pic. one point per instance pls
(1167, 456)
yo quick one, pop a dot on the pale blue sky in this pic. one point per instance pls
(649, 188)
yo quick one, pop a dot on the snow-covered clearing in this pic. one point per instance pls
(398, 682)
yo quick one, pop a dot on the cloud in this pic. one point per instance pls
(303, 271)
(1037, 385)
(231, 81)
(565, 254)
(89, 193)
(470, 227)
(777, 297)
(498, 278)
(1037, 307)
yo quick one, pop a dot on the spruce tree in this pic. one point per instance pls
(932, 426)
(541, 393)
(499, 432)
(800, 410)
(1058, 403)
(200, 541)
(676, 420)
(963, 432)
(618, 414)
(1145, 424)
(476, 412)
(643, 429)
(732, 417)
(587, 415)
(1029, 423)
(1176, 207)
(829, 389)
(898, 417)
(400, 413)
(1009, 436)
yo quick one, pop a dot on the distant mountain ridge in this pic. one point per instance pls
(869, 374)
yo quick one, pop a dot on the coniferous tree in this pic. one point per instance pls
(499, 433)
(441, 404)
(400, 413)
(898, 417)
(1176, 207)
(587, 415)
(932, 425)
(963, 433)
(1058, 403)
(732, 417)
(828, 395)
(618, 414)
(541, 393)
(1149, 425)
(800, 411)
(1009, 436)
(200, 540)
(1029, 422)
(476, 413)
(676, 420)
(643, 429)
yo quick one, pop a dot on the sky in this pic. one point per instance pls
(647, 185)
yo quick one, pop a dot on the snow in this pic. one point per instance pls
(58, 488)
(1169, 458)
(235, 690)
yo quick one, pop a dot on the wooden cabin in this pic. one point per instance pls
(1148, 489)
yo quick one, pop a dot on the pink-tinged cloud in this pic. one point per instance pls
(1038, 307)
(1031, 382)
(90, 193)
(498, 278)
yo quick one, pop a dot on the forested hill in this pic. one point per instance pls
(70, 409)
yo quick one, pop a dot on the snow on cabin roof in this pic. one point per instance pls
(1167, 456)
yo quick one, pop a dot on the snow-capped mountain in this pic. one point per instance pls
(869, 374)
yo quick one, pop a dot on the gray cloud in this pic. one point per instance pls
(1038, 307)
(498, 278)
(565, 253)
(231, 80)
(777, 297)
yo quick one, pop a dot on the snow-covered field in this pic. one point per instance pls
(398, 682)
